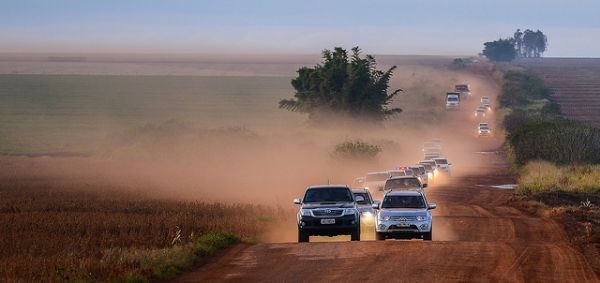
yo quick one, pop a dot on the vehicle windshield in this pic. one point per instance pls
(328, 195)
(365, 196)
(403, 183)
(377, 177)
(422, 170)
(428, 167)
(452, 99)
(441, 161)
(403, 202)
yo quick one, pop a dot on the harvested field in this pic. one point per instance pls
(575, 85)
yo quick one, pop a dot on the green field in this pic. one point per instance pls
(70, 113)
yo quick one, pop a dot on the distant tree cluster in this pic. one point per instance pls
(523, 44)
(530, 43)
(346, 87)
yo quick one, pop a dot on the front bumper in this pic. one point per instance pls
(403, 227)
(343, 225)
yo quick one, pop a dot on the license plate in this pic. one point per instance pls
(327, 221)
(403, 224)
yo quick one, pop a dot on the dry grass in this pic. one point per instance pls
(541, 176)
(92, 234)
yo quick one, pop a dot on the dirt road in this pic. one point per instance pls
(477, 237)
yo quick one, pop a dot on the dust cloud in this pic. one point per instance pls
(179, 160)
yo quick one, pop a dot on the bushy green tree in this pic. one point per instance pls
(502, 50)
(341, 86)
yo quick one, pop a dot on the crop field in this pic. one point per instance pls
(67, 113)
(59, 112)
(54, 232)
(574, 84)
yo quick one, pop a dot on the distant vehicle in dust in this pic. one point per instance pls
(463, 89)
(396, 173)
(484, 130)
(452, 100)
(480, 111)
(443, 166)
(376, 180)
(404, 183)
(359, 182)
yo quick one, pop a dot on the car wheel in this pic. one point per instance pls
(428, 236)
(356, 235)
(302, 236)
(379, 236)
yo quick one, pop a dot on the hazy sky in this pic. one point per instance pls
(302, 26)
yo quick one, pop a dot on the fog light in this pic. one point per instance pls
(353, 222)
(424, 226)
(381, 226)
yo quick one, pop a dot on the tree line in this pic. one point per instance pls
(523, 44)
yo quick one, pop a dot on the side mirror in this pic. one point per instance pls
(375, 204)
(432, 206)
(360, 199)
(297, 201)
(424, 186)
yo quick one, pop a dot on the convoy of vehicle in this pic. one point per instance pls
(404, 211)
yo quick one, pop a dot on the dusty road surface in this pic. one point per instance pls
(482, 240)
(477, 236)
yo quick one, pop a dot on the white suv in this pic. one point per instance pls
(404, 214)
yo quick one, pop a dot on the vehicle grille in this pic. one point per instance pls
(411, 228)
(327, 212)
(403, 218)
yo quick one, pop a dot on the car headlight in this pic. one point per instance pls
(435, 172)
(384, 218)
(421, 218)
(367, 215)
(430, 175)
(349, 211)
(305, 212)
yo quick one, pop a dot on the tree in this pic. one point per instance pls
(342, 86)
(518, 37)
(534, 43)
(500, 50)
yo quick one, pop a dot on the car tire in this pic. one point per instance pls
(379, 236)
(302, 236)
(428, 236)
(356, 235)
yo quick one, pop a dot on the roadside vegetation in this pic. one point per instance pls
(356, 150)
(98, 234)
(556, 159)
(343, 86)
